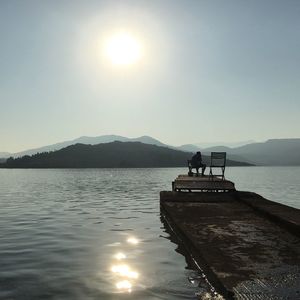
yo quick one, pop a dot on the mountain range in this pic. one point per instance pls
(84, 140)
(274, 152)
(271, 152)
(108, 155)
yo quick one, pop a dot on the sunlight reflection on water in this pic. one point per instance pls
(123, 270)
(133, 240)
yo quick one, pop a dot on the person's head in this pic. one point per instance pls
(198, 152)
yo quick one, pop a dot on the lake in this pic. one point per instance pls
(97, 233)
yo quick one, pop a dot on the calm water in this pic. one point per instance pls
(97, 233)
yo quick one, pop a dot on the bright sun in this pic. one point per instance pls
(123, 49)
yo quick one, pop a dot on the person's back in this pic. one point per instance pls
(196, 162)
(197, 159)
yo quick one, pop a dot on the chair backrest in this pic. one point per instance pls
(218, 159)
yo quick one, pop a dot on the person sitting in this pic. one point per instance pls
(196, 162)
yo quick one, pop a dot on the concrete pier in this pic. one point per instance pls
(201, 183)
(248, 247)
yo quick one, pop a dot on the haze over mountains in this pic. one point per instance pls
(5, 154)
(200, 146)
(111, 138)
(271, 152)
(86, 140)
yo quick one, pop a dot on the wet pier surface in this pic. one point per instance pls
(248, 247)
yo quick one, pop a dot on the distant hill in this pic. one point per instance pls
(231, 145)
(274, 152)
(189, 148)
(107, 155)
(85, 140)
(4, 154)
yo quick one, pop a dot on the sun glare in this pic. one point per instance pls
(123, 49)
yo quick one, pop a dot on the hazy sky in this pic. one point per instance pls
(210, 71)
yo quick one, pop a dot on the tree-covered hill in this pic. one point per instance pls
(109, 155)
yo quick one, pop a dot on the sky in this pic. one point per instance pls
(209, 71)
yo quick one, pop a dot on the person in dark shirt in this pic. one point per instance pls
(196, 162)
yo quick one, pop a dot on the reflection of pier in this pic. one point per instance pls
(248, 247)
